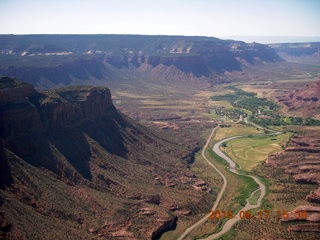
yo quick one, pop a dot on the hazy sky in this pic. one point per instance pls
(217, 18)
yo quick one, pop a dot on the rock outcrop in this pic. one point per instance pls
(305, 228)
(165, 225)
(314, 196)
(29, 118)
(300, 158)
(12, 90)
(71, 161)
(301, 161)
(305, 53)
(303, 213)
(304, 101)
(59, 109)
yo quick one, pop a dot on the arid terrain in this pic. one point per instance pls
(70, 160)
(303, 101)
(106, 143)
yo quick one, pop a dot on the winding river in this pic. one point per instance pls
(232, 168)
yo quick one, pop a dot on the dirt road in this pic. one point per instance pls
(218, 199)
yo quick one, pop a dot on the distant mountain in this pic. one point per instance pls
(73, 167)
(53, 60)
(304, 102)
(274, 39)
(305, 53)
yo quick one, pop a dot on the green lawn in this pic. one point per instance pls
(250, 151)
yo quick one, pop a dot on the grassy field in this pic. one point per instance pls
(234, 130)
(249, 152)
(238, 189)
(241, 187)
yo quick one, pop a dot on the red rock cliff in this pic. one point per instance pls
(25, 110)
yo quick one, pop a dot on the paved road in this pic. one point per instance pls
(218, 199)
(232, 167)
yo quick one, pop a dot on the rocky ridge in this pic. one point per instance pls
(304, 101)
(79, 58)
(300, 159)
(305, 53)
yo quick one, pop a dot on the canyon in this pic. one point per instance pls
(70, 160)
(100, 135)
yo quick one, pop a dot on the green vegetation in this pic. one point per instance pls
(277, 120)
(265, 204)
(254, 197)
(235, 130)
(263, 111)
(219, 159)
(246, 189)
(249, 152)
(246, 100)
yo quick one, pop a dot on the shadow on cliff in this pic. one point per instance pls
(73, 144)
(5, 176)
(67, 150)
(53, 133)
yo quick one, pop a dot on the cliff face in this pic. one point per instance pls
(11, 90)
(305, 53)
(59, 72)
(17, 112)
(63, 59)
(60, 109)
(67, 107)
(31, 119)
(297, 49)
(71, 161)
(187, 64)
